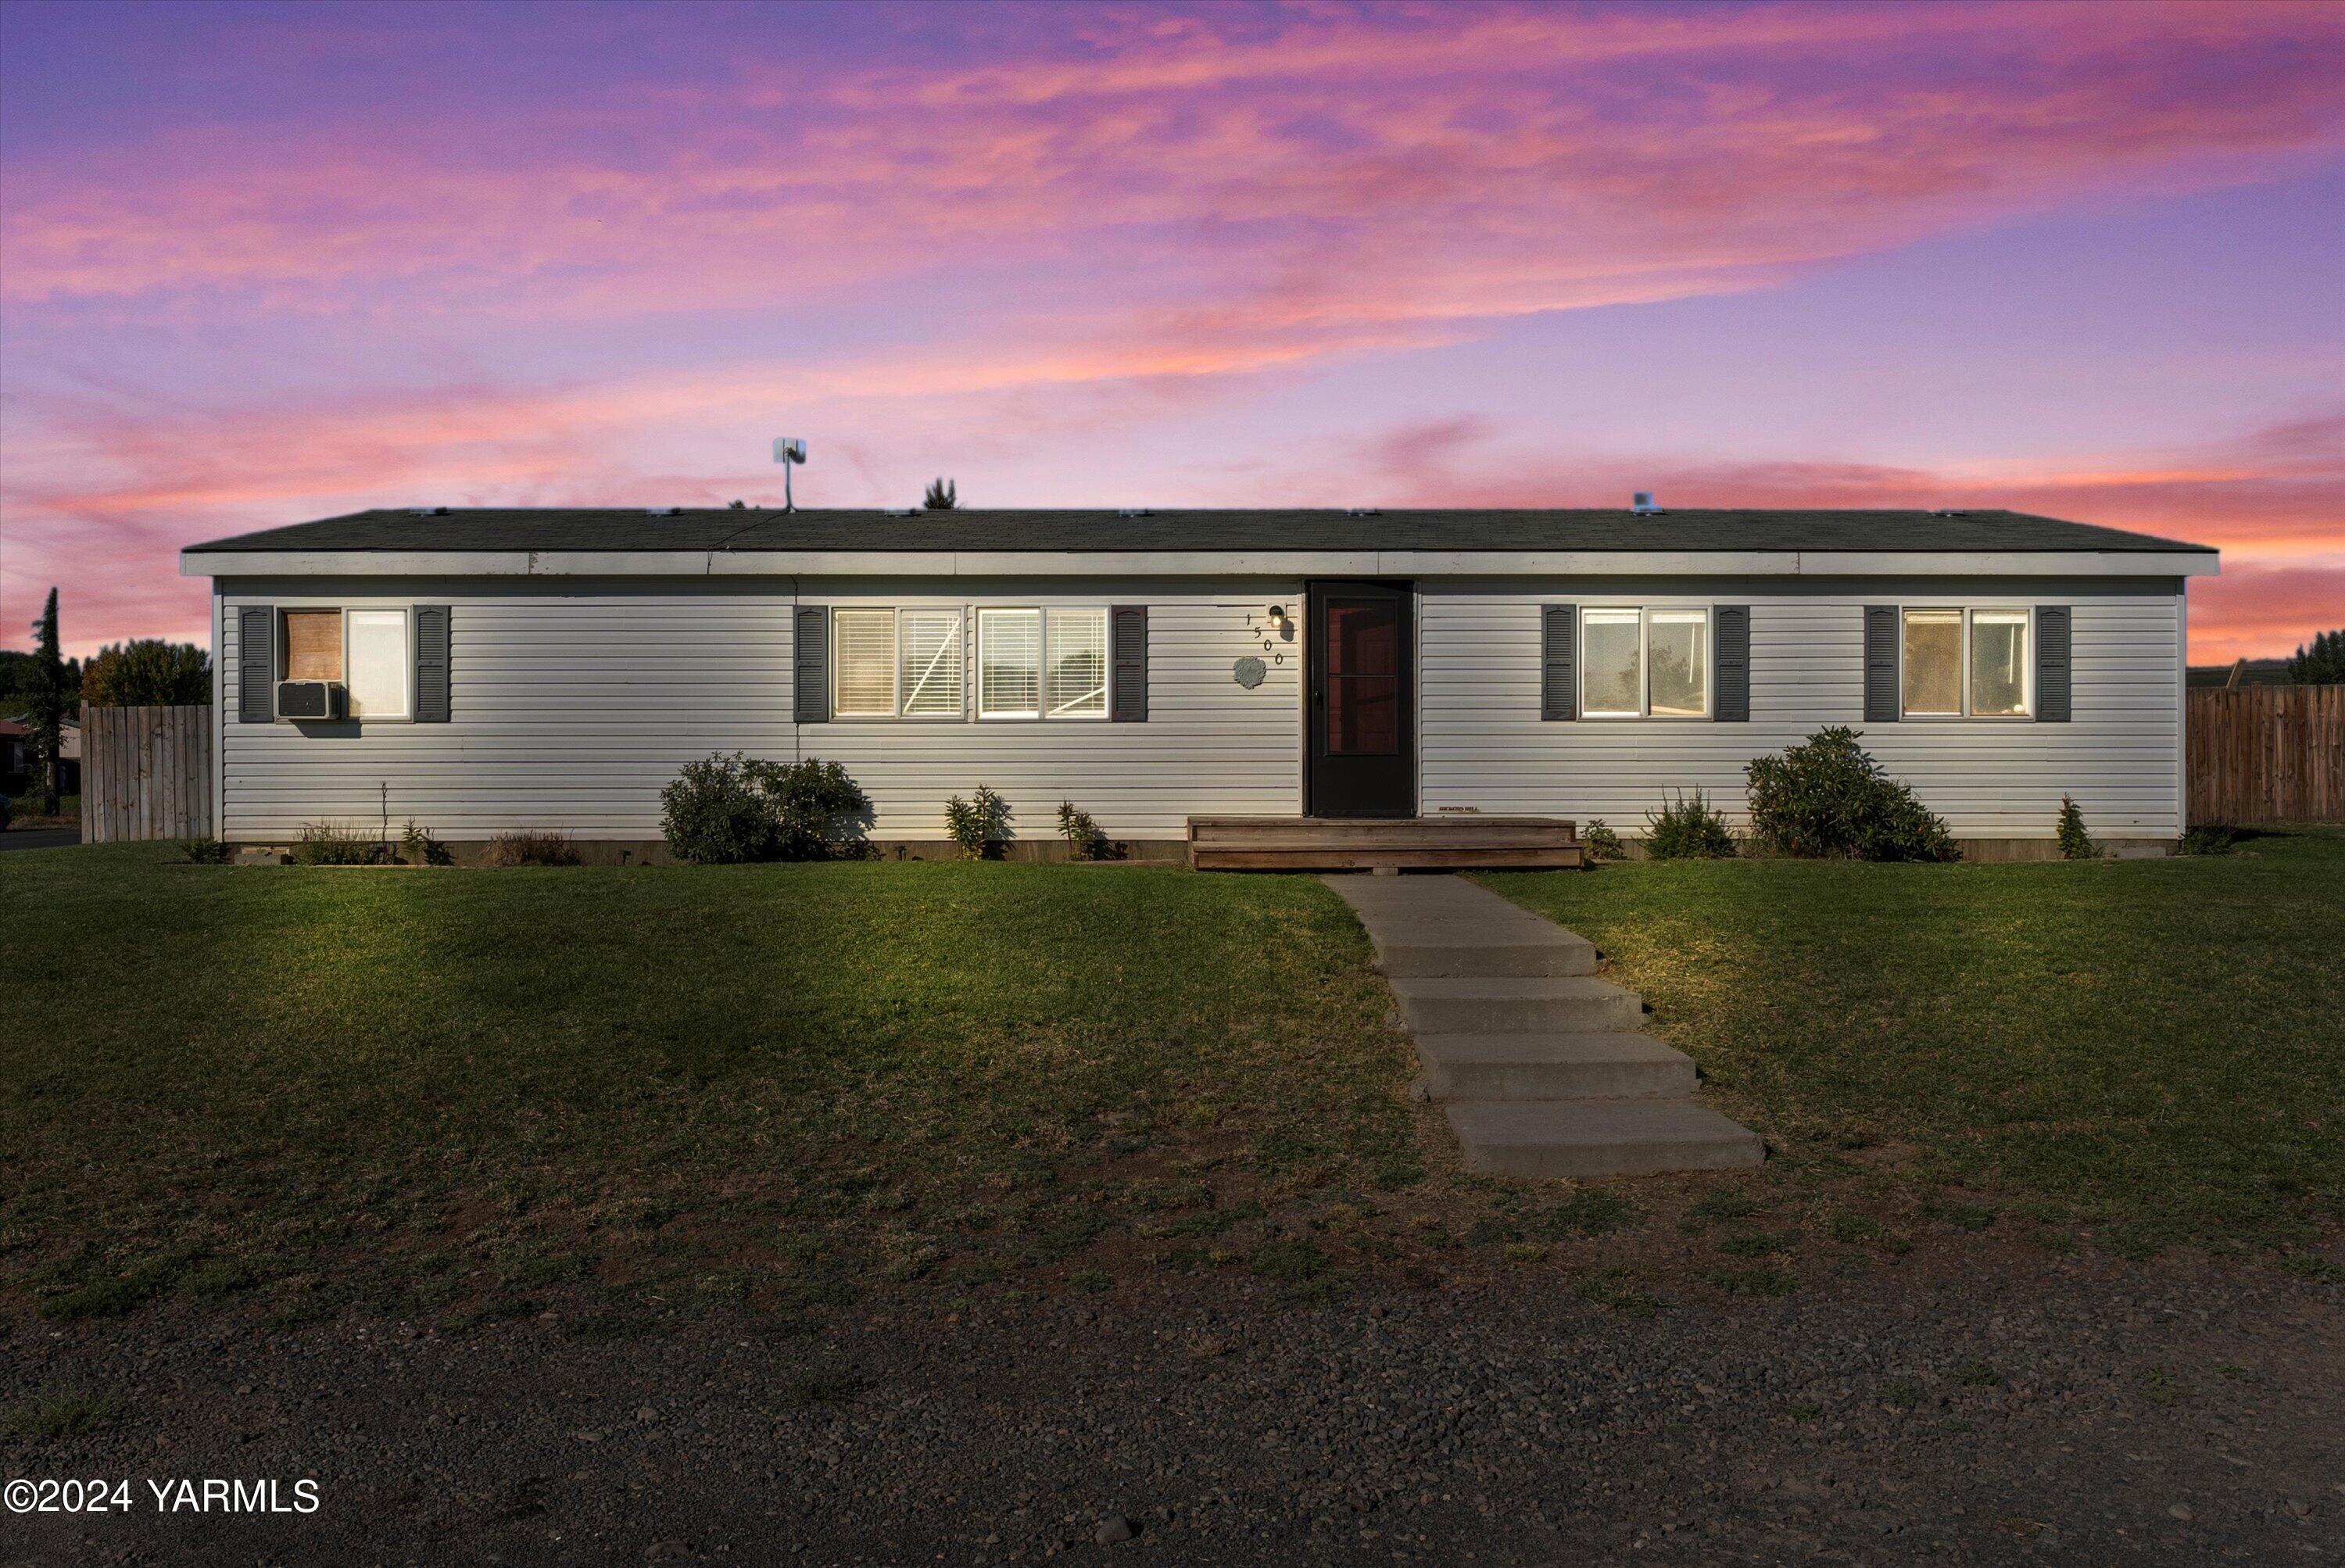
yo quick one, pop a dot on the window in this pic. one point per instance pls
(913, 663)
(1008, 664)
(379, 667)
(366, 650)
(1639, 664)
(1973, 662)
(865, 658)
(1077, 683)
(931, 664)
(1999, 663)
(313, 645)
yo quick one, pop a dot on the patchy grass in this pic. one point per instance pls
(2150, 1048)
(465, 1096)
(59, 1416)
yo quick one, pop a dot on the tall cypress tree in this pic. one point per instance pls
(48, 708)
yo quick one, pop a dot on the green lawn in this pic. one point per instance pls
(763, 1082)
(623, 1094)
(2155, 1045)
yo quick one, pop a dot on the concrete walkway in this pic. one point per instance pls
(1539, 1063)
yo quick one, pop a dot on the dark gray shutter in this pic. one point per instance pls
(1881, 703)
(255, 665)
(2052, 627)
(810, 665)
(431, 664)
(1731, 628)
(1558, 661)
(1128, 649)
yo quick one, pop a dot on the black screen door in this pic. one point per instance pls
(1363, 720)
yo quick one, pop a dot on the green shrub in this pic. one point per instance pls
(528, 849)
(1084, 840)
(1602, 842)
(2076, 844)
(723, 810)
(977, 824)
(417, 847)
(2210, 839)
(205, 851)
(1688, 829)
(1827, 798)
(323, 844)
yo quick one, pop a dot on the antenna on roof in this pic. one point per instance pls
(790, 452)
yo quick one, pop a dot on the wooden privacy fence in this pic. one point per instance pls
(2267, 754)
(146, 773)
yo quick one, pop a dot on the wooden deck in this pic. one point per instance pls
(1462, 843)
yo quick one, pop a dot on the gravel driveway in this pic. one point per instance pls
(2056, 1411)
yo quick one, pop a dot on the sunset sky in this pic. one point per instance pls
(265, 263)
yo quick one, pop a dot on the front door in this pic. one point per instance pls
(1363, 694)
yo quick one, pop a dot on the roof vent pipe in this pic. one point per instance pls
(1644, 501)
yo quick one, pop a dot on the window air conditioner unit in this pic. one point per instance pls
(313, 699)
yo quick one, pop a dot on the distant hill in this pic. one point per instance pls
(2259, 672)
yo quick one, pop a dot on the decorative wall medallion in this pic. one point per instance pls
(1248, 672)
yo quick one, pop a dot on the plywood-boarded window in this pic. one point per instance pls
(313, 645)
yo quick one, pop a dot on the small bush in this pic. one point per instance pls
(2076, 844)
(1688, 829)
(417, 847)
(528, 849)
(205, 851)
(323, 844)
(2211, 839)
(977, 823)
(724, 810)
(1084, 839)
(1602, 842)
(1827, 798)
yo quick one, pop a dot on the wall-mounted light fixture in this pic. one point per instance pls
(1278, 617)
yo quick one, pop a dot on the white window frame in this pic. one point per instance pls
(1645, 714)
(1042, 662)
(283, 653)
(1968, 613)
(838, 663)
(1107, 664)
(959, 645)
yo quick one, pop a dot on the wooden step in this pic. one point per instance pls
(1413, 843)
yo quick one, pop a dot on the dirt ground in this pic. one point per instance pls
(2015, 1408)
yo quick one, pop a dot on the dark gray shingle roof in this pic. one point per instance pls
(621, 528)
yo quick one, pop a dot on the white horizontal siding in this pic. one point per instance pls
(1485, 746)
(577, 699)
(573, 704)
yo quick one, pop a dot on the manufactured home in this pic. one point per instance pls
(482, 671)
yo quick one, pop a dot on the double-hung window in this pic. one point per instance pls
(366, 650)
(1644, 663)
(1960, 662)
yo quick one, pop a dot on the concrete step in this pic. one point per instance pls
(1526, 1005)
(1598, 1137)
(1589, 1066)
(1433, 953)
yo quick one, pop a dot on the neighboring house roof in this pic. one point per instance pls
(1672, 530)
(12, 730)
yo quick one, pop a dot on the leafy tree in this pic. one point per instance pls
(2322, 664)
(47, 711)
(148, 673)
(943, 495)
